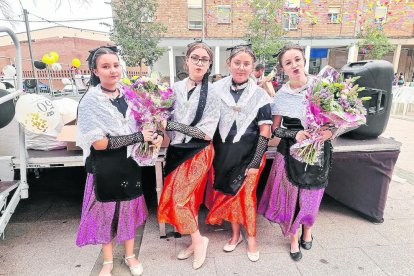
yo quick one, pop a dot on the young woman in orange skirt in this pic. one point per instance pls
(240, 144)
(190, 154)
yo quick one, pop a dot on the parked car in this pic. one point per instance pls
(30, 84)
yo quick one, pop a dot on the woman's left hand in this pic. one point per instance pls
(157, 141)
(251, 171)
(324, 135)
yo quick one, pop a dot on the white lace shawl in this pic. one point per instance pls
(291, 102)
(244, 111)
(185, 111)
(98, 117)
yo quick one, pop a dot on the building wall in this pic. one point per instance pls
(68, 48)
(399, 21)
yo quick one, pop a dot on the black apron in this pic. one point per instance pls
(299, 173)
(231, 161)
(115, 177)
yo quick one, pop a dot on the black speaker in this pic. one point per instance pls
(376, 76)
(6, 110)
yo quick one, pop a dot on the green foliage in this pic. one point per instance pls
(374, 42)
(265, 29)
(136, 31)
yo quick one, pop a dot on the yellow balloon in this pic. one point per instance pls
(76, 62)
(48, 59)
(55, 56)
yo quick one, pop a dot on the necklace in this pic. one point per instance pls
(238, 86)
(194, 81)
(110, 91)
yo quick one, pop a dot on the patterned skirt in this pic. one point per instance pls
(240, 208)
(102, 222)
(286, 204)
(183, 192)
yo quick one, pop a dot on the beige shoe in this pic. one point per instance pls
(185, 253)
(136, 270)
(197, 263)
(230, 247)
(107, 263)
(254, 257)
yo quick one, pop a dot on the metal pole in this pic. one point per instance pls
(204, 25)
(29, 39)
(22, 140)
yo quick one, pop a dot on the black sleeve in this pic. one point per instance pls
(258, 154)
(284, 133)
(116, 142)
(187, 130)
(264, 113)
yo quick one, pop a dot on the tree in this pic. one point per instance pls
(136, 31)
(265, 29)
(374, 43)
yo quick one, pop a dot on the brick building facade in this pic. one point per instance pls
(316, 24)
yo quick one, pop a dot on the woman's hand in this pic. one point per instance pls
(302, 135)
(148, 135)
(207, 138)
(158, 141)
(324, 135)
(251, 171)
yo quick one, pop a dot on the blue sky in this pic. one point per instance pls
(49, 10)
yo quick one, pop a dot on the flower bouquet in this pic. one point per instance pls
(333, 104)
(151, 103)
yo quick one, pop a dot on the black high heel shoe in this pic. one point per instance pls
(307, 245)
(296, 256)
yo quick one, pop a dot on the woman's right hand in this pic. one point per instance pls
(302, 135)
(148, 135)
(207, 138)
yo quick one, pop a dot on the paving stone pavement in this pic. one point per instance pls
(40, 239)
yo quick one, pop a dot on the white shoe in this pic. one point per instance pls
(197, 263)
(185, 253)
(106, 263)
(230, 247)
(136, 270)
(254, 257)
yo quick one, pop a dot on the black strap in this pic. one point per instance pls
(202, 101)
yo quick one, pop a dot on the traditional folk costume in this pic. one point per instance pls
(293, 191)
(189, 156)
(113, 205)
(238, 146)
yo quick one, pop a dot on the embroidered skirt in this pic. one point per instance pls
(102, 222)
(240, 208)
(286, 204)
(183, 192)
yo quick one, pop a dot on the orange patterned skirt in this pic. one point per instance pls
(183, 192)
(240, 208)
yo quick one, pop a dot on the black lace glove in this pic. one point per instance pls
(260, 150)
(187, 130)
(116, 142)
(284, 133)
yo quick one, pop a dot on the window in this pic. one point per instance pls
(290, 21)
(224, 14)
(334, 14)
(380, 15)
(292, 4)
(195, 14)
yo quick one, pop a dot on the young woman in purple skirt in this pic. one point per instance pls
(292, 195)
(113, 205)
